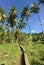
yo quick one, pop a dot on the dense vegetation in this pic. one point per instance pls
(10, 53)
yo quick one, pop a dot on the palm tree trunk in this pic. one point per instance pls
(0, 39)
(12, 34)
(30, 32)
(40, 23)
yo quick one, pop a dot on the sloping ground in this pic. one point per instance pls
(9, 54)
(35, 53)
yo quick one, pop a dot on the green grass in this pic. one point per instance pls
(9, 54)
(35, 53)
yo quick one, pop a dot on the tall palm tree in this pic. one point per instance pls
(25, 14)
(12, 18)
(35, 9)
(2, 20)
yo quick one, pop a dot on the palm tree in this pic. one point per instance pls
(1, 33)
(2, 20)
(25, 14)
(12, 18)
(8, 33)
(17, 34)
(41, 1)
(2, 15)
(35, 9)
(21, 24)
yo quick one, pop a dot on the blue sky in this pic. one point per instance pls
(33, 20)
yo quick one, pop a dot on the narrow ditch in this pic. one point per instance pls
(22, 56)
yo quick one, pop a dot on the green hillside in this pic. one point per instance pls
(10, 53)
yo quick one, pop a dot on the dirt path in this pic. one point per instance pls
(24, 59)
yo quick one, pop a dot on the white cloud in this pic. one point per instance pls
(33, 31)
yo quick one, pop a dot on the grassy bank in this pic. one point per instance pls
(9, 54)
(35, 53)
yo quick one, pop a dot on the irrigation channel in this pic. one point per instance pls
(24, 59)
